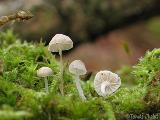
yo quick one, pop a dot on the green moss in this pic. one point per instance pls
(147, 72)
(14, 115)
(7, 38)
(148, 67)
(73, 108)
(127, 78)
(127, 100)
(21, 60)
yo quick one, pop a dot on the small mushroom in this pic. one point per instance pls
(77, 68)
(45, 72)
(106, 82)
(60, 43)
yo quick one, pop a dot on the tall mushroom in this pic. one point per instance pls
(77, 68)
(106, 82)
(45, 72)
(60, 43)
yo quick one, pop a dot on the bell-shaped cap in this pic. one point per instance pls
(44, 72)
(77, 67)
(60, 42)
(106, 82)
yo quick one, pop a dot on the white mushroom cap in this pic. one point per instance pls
(77, 67)
(60, 42)
(106, 82)
(44, 72)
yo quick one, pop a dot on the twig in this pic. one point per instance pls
(18, 16)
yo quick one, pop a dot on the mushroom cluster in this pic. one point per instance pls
(105, 82)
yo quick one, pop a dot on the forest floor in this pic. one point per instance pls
(23, 95)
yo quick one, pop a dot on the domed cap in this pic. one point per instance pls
(77, 67)
(60, 42)
(44, 72)
(106, 82)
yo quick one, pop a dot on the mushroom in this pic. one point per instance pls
(60, 43)
(78, 68)
(106, 82)
(45, 72)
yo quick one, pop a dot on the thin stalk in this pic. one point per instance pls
(79, 88)
(61, 73)
(104, 85)
(46, 84)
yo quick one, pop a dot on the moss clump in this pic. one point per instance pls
(127, 77)
(147, 73)
(69, 107)
(148, 67)
(14, 115)
(21, 60)
(23, 92)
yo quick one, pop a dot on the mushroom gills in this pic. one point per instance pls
(106, 83)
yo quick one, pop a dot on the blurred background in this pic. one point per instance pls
(107, 34)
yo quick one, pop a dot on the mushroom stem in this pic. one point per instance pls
(46, 84)
(103, 86)
(61, 73)
(79, 88)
